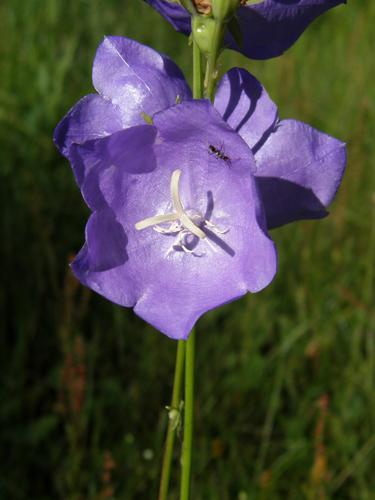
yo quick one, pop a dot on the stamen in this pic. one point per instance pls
(174, 228)
(156, 219)
(181, 245)
(214, 227)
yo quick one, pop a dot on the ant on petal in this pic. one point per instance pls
(219, 153)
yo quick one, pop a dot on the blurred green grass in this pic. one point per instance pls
(285, 379)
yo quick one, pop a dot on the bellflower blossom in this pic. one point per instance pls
(268, 28)
(182, 195)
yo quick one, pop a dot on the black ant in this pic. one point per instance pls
(219, 153)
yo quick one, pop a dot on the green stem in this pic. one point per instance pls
(211, 69)
(190, 343)
(173, 414)
(188, 418)
(197, 72)
(189, 380)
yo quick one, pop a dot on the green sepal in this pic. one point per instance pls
(224, 10)
(189, 6)
(203, 30)
(234, 29)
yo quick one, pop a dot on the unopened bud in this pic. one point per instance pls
(173, 414)
(203, 30)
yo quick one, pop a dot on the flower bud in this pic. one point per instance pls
(204, 32)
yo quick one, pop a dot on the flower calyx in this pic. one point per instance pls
(209, 24)
(224, 10)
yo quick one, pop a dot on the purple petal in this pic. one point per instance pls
(132, 149)
(268, 28)
(271, 27)
(137, 79)
(100, 263)
(92, 117)
(173, 13)
(133, 79)
(175, 287)
(245, 105)
(299, 170)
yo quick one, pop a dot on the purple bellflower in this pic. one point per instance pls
(268, 28)
(181, 204)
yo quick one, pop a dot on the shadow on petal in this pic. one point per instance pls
(132, 150)
(285, 202)
(210, 234)
(220, 242)
(238, 85)
(210, 205)
(106, 242)
(264, 138)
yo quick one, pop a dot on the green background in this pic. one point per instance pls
(285, 379)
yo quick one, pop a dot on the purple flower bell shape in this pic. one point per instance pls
(268, 28)
(176, 230)
(181, 206)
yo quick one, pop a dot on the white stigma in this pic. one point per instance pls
(179, 215)
(183, 224)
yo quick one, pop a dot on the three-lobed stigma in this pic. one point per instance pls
(186, 225)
